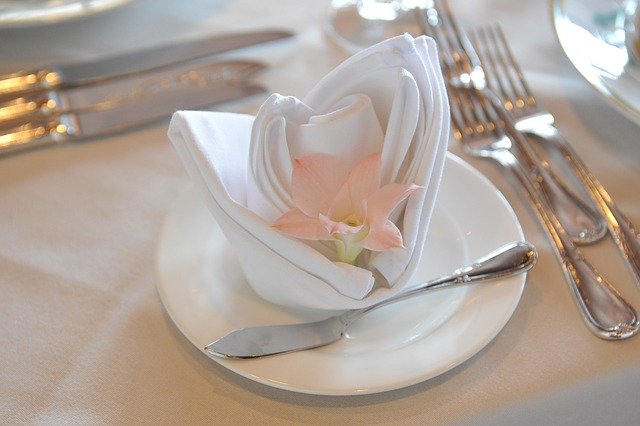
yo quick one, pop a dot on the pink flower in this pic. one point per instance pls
(346, 206)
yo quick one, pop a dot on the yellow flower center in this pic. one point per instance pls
(353, 220)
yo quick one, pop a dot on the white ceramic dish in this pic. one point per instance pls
(205, 294)
(22, 13)
(592, 35)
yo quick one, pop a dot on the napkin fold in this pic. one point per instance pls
(389, 99)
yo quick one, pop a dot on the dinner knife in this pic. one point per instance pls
(132, 101)
(51, 77)
(254, 342)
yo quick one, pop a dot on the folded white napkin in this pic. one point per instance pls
(390, 99)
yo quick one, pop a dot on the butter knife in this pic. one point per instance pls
(131, 101)
(254, 342)
(51, 77)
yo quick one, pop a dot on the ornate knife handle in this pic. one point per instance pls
(29, 107)
(28, 81)
(57, 130)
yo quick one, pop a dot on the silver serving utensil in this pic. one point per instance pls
(482, 122)
(581, 221)
(509, 83)
(51, 77)
(253, 342)
(603, 309)
(131, 101)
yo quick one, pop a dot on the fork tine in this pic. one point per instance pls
(440, 23)
(498, 80)
(458, 37)
(458, 119)
(435, 29)
(465, 115)
(511, 67)
(469, 115)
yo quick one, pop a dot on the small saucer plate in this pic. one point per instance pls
(206, 295)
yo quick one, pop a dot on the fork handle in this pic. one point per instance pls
(584, 224)
(28, 81)
(580, 221)
(604, 310)
(606, 313)
(620, 227)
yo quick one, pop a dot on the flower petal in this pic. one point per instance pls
(297, 224)
(382, 235)
(382, 202)
(363, 181)
(316, 179)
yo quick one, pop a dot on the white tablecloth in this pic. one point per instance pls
(85, 338)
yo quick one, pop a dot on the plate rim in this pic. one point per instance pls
(58, 14)
(592, 76)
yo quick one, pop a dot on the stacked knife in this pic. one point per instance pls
(65, 103)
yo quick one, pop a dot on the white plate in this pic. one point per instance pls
(592, 35)
(204, 292)
(20, 13)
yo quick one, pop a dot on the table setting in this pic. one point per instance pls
(320, 212)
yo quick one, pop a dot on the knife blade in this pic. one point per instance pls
(131, 101)
(51, 77)
(255, 342)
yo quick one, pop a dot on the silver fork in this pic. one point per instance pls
(506, 79)
(478, 117)
(579, 220)
(605, 312)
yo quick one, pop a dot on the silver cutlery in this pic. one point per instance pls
(51, 77)
(254, 342)
(581, 222)
(506, 79)
(606, 313)
(133, 100)
(37, 106)
(478, 116)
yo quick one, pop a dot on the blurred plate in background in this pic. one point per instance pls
(593, 35)
(23, 13)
